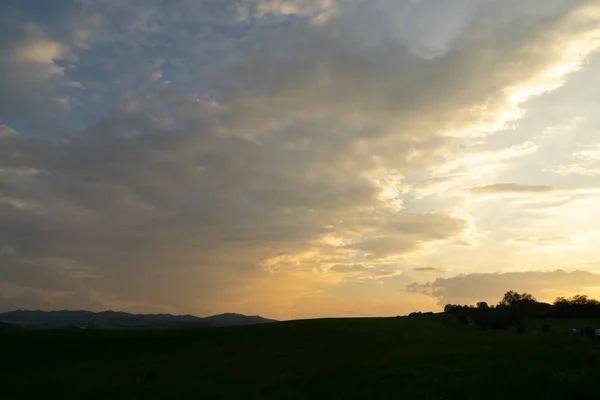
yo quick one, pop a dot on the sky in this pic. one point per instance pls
(297, 158)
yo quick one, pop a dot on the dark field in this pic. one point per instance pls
(424, 357)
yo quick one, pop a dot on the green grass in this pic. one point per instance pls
(424, 357)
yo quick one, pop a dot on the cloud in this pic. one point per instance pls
(278, 151)
(551, 244)
(81, 300)
(6, 132)
(588, 163)
(470, 288)
(574, 169)
(38, 50)
(591, 155)
(366, 271)
(349, 268)
(540, 241)
(407, 233)
(512, 189)
(485, 158)
(34, 300)
(318, 10)
(28, 300)
(33, 68)
(428, 269)
(7, 250)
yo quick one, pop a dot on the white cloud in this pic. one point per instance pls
(6, 131)
(574, 169)
(320, 10)
(588, 163)
(38, 51)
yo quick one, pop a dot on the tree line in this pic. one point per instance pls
(515, 308)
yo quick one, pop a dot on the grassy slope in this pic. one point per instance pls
(426, 357)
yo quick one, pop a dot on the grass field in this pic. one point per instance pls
(423, 357)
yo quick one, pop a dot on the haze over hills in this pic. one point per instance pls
(118, 318)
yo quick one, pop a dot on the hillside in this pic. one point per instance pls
(424, 357)
(4, 326)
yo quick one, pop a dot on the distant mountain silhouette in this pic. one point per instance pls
(118, 318)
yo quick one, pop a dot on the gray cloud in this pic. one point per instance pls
(406, 233)
(220, 148)
(468, 289)
(28, 300)
(33, 300)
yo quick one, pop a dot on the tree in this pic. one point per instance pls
(513, 299)
(452, 308)
(561, 301)
(519, 306)
(579, 306)
(482, 304)
(582, 300)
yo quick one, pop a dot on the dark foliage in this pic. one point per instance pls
(413, 314)
(516, 308)
(578, 306)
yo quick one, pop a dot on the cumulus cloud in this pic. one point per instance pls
(470, 288)
(208, 146)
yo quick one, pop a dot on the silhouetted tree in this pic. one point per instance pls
(515, 308)
(482, 316)
(454, 308)
(451, 308)
(512, 299)
(578, 306)
(519, 307)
